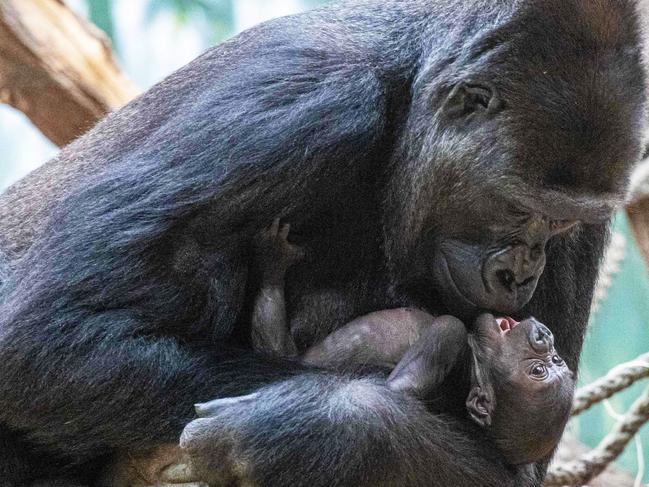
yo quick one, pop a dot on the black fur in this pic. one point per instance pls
(126, 302)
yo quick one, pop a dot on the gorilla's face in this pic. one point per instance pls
(498, 270)
(482, 185)
(509, 143)
(489, 253)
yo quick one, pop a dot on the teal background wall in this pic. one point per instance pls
(619, 332)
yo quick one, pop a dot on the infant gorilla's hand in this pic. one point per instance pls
(274, 253)
(212, 443)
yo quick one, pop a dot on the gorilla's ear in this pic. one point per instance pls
(468, 97)
(480, 406)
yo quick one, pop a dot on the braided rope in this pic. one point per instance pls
(616, 380)
(591, 464)
(613, 258)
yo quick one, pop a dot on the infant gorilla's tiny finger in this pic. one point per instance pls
(283, 233)
(296, 252)
(300, 253)
(274, 227)
(212, 408)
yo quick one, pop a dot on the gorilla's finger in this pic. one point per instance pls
(212, 408)
(181, 473)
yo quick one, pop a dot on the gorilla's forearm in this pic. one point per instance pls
(306, 422)
(298, 431)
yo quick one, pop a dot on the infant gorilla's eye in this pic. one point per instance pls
(556, 360)
(539, 371)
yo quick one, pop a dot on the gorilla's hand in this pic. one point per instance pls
(212, 443)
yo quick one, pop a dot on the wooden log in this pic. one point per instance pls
(637, 210)
(57, 68)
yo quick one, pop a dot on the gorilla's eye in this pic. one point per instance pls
(539, 371)
(556, 360)
(466, 98)
(479, 95)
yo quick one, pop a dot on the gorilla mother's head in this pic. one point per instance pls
(511, 140)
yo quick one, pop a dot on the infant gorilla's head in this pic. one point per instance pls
(521, 388)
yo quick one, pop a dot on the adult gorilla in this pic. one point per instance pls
(426, 152)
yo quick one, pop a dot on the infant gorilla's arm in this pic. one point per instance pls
(426, 364)
(381, 338)
(273, 256)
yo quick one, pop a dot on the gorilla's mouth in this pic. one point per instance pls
(506, 324)
(468, 304)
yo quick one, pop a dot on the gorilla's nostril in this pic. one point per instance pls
(507, 279)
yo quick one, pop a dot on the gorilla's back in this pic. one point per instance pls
(26, 205)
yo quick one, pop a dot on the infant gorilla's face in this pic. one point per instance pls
(528, 385)
(524, 351)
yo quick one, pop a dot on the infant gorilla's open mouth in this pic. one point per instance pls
(506, 324)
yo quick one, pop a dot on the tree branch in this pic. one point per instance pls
(57, 68)
(638, 209)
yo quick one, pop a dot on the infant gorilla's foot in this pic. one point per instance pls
(274, 254)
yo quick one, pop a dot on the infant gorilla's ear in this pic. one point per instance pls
(480, 405)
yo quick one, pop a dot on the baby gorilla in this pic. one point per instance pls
(505, 375)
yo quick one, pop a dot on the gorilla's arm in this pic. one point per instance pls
(118, 311)
(326, 430)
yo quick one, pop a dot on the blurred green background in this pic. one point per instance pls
(154, 37)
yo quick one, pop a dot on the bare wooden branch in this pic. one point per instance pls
(57, 68)
(638, 209)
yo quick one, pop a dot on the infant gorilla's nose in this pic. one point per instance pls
(541, 338)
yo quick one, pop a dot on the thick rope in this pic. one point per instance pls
(616, 380)
(593, 463)
(613, 258)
